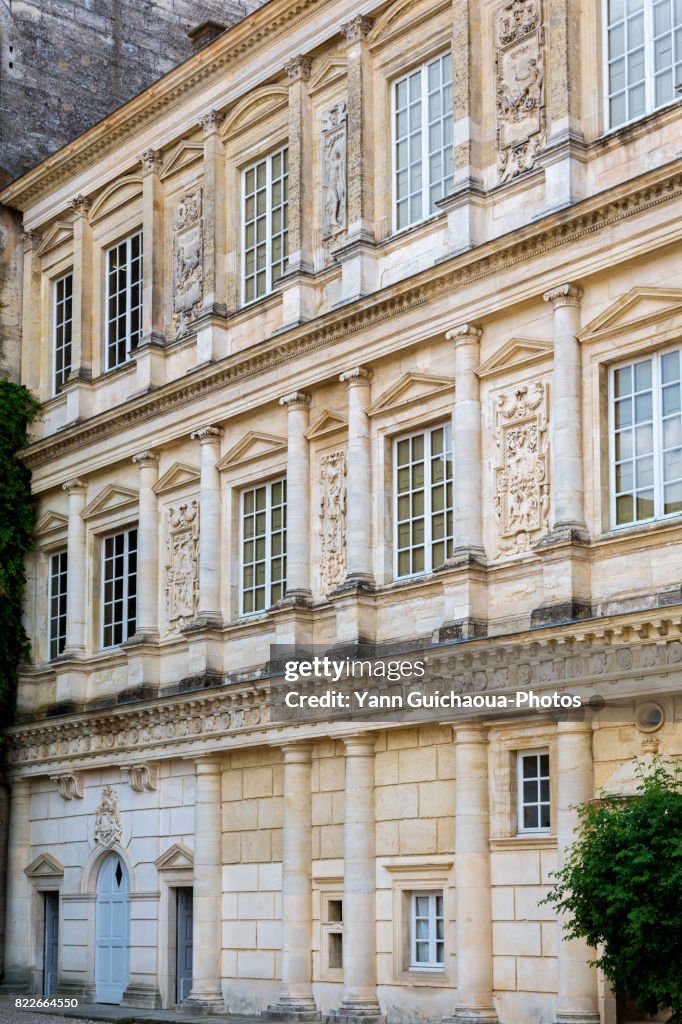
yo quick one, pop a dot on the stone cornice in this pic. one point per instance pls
(543, 236)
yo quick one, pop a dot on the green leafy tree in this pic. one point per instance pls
(17, 409)
(621, 888)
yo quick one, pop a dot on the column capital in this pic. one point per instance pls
(207, 435)
(358, 28)
(297, 752)
(208, 766)
(31, 240)
(211, 122)
(471, 733)
(79, 205)
(75, 486)
(147, 458)
(574, 726)
(358, 375)
(465, 334)
(359, 745)
(298, 69)
(564, 295)
(296, 400)
(151, 161)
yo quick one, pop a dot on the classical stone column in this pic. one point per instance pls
(18, 974)
(296, 997)
(215, 297)
(466, 442)
(147, 547)
(566, 418)
(300, 165)
(577, 996)
(298, 496)
(206, 991)
(359, 886)
(81, 332)
(209, 524)
(472, 878)
(153, 261)
(359, 478)
(76, 569)
(34, 365)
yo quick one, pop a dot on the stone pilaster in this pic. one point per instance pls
(564, 168)
(36, 367)
(18, 968)
(296, 997)
(359, 478)
(147, 547)
(577, 995)
(149, 357)
(466, 442)
(76, 570)
(208, 611)
(215, 296)
(206, 994)
(298, 497)
(300, 165)
(359, 1003)
(81, 336)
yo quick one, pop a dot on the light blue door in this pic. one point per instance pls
(184, 944)
(112, 928)
(51, 943)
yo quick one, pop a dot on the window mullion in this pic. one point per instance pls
(426, 171)
(268, 223)
(432, 930)
(657, 409)
(428, 559)
(268, 545)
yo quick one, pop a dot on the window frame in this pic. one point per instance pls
(268, 485)
(270, 285)
(433, 964)
(535, 752)
(62, 574)
(657, 423)
(57, 387)
(126, 634)
(129, 347)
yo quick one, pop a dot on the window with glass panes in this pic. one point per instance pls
(63, 329)
(427, 931)
(264, 220)
(119, 587)
(264, 546)
(57, 603)
(533, 791)
(644, 62)
(423, 500)
(422, 141)
(646, 439)
(124, 299)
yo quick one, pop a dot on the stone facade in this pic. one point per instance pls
(496, 321)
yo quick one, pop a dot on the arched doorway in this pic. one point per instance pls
(112, 930)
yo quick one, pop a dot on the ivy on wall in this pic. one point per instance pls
(17, 409)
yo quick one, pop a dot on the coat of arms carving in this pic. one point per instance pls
(520, 100)
(108, 828)
(522, 471)
(332, 520)
(182, 563)
(187, 260)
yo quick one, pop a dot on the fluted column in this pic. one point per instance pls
(360, 212)
(577, 996)
(17, 976)
(298, 496)
(153, 262)
(300, 165)
(207, 939)
(472, 878)
(296, 995)
(147, 546)
(568, 509)
(209, 524)
(215, 240)
(359, 478)
(76, 569)
(81, 332)
(466, 442)
(35, 369)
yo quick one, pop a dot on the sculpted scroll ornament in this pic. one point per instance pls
(521, 475)
(334, 170)
(519, 64)
(108, 827)
(187, 260)
(182, 563)
(332, 520)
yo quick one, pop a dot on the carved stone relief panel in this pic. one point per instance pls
(334, 170)
(519, 86)
(187, 260)
(522, 470)
(182, 563)
(108, 827)
(332, 520)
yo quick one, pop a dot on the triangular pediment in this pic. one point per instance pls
(111, 499)
(254, 108)
(177, 476)
(45, 866)
(517, 352)
(185, 153)
(119, 194)
(50, 522)
(328, 422)
(402, 16)
(177, 856)
(60, 232)
(639, 308)
(251, 447)
(333, 70)
(412, 387)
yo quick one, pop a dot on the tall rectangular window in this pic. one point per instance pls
(263, 546)
(422, 141)
(427, 931)
(119, 577)
(644, 46)
(646, 439)
(423, 500)
(124, 299)
(533, 791)
(63, 330)
(265, 224)
(57, 602)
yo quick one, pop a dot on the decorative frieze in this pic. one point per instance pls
(520, 101)
(182, 564)
(522, 471)
(333, 194)
(332, 520)
(187, 260)
(70, 785)
(108, 826)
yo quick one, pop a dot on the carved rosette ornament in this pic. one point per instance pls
(188, 260)
(332, 520)
(334, 122)
(108, 827)
(182, 564)
(519, 84)
(522, 471)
